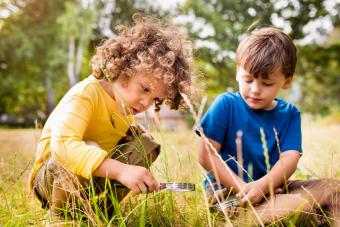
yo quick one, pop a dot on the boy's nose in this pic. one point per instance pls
(146, 103)
(255, 88)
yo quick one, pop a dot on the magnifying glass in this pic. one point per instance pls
(178, 187)
(231, 202)
(170, 186)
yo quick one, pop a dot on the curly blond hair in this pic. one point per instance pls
(151, 45)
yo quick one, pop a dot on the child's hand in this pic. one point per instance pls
(138, 179)
(138, 129)
(278, 190)
(133, 131)
(253, 192)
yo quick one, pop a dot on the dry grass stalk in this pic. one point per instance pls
(215, 153)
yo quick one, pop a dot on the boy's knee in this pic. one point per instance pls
(329, 186)
(333, 183)
(142, 150)
(322, 191)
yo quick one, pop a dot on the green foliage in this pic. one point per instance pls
(31, 54)
(319, 68)
(334, 116)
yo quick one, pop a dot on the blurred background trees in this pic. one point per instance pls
(313, 24)
(46, 46)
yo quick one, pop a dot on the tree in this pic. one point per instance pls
(27, 66)
(76, 27)
(320, 67)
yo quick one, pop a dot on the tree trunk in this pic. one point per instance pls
(79, 54)
(75, 56)
(50, 96)
(70, 64)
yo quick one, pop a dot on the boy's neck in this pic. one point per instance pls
(107, 87)
(268, 108)
(272, 106)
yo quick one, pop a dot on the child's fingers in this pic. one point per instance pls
(143, 188)
(249, 197)
(242, 197)
(147, 182)
(138, 187)
(137, 129)
(278, 191)
(141, 129)
(244, 200)
(135, 189)
(239, 195)
(151, 183)
(243, 192)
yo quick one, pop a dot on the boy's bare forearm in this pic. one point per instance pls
(217, 167)
(137, 178)
(282, 170)
(109, 168)
(225, 175)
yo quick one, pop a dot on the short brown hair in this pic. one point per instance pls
(266, 49)
(153, 46)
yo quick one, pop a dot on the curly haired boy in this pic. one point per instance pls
(149, 63)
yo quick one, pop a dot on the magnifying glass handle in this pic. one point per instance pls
(171, 186)
(120, 185)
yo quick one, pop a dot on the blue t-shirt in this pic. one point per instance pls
(230, 113)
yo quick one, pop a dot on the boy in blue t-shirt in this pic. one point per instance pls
(269, 146)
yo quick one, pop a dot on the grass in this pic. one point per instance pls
(177, 162)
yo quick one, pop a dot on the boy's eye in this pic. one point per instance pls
(145, 89)
(267, 84)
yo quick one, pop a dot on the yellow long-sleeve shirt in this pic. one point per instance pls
(85, 113)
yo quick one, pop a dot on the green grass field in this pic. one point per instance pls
(177, 162)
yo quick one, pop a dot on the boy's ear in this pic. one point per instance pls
(123, 82)
(287, 82)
